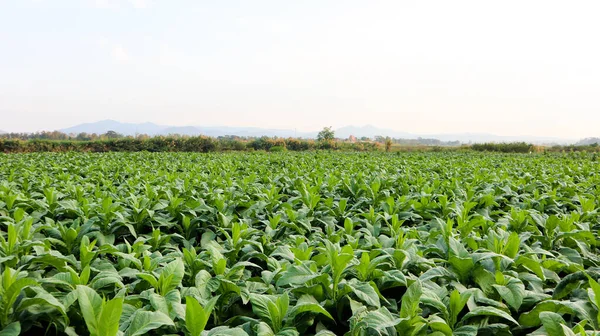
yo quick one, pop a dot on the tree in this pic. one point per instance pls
(388, 144)
(112, 135)
(326, 135)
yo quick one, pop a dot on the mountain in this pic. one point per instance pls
(588, 141)
(486, 137)
(104, 126)
(369, 131)
(2, 132)
(372, 131)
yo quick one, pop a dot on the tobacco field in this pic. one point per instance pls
(312, 243)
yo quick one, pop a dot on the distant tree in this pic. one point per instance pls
(326, 135)
(388, 144)
(112, 135)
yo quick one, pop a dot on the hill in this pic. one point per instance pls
(588, 141)
(369, 131)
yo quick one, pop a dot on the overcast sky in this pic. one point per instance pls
(503, 67)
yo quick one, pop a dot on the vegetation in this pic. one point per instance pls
(293, 243)
(326, 135)
(176, 144)
(114, 142)
(388, 144)
(511, 147)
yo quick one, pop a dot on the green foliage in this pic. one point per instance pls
(510, 147)
(298, 243)
(326, 134)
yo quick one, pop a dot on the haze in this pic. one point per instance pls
(505, 67)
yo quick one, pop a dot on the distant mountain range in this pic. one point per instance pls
(588, 141)
(154, 129)
(344, 132)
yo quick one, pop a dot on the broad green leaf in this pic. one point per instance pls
(438, 324)
(204, 284)
(365, 293)
(13, 291)
(462, 266)
(297, 275)
(144, 321)
(225, 331)
(532, 319)
(90, 304)
(467, 330)
(195, 316)
(307, 303)
(513, 293)
(410, 300)
(108, 321)
(552, 323)
(457, 303)
(13, 329)
(489, 311)
(174, 271)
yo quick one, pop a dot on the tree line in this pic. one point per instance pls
(110, 141)
(177, 144)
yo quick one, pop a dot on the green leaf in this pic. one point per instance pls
(13, 291)
(144, 321)
(308, 303)
(438, 324)
(533, 265)
(468, 330)
(596, 297)
(512, 293)
(226, 331)
(13, 329)
(108, 321)
(90, 304)
(173, 273)
(489, 311)
(205, 285)
(265, 307)
(365, 293)
(263, 329)
(432, 300)
(410, 300)
(195, 317)
(290, 331)
(462, 266)
(457, 303)
(379, 320)
(532, 319)
(296, 275)
(512, 245)
(159, 303)
(149, 278)
(552, 323)
(568, 284)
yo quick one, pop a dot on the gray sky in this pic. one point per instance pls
(504, 67)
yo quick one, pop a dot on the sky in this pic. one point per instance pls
(502, 67)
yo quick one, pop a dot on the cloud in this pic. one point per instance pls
(120, 55)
